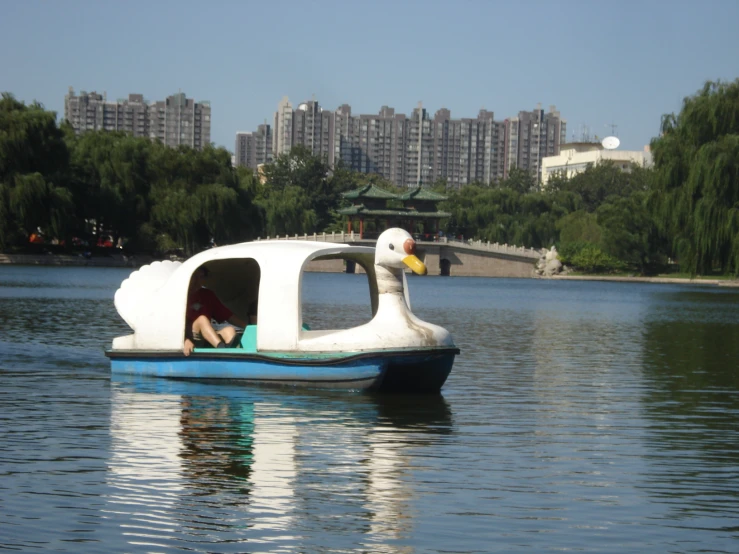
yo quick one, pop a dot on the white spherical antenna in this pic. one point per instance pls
(610, 143)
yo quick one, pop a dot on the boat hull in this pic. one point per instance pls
(407, 371)
(425, 373)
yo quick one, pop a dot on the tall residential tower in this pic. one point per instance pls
(254, 149)
(175, 121)
(179, 120)
(418, 149)
(532, 136)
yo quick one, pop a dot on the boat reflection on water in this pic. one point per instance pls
(275, 464)
(145, 462)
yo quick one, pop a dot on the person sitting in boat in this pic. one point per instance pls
(203, 306)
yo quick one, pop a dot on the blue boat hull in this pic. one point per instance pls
(406, 371)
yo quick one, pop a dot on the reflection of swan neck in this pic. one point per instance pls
(389, 280)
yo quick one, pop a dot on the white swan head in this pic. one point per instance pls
(396, 249)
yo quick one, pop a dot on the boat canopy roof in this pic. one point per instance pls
(266, 274)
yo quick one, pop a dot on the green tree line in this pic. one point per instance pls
(56, 184)
(684, 209)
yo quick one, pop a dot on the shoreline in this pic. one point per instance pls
(657, 280)
(134, 262)
(68, 260)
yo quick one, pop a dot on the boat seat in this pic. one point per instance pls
(249, 338)
(236, 341)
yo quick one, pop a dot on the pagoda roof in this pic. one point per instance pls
(420, 193)
(370, 191)
(391, 212)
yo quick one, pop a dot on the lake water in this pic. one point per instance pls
(580, 416)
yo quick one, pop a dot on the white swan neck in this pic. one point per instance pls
(389, 280)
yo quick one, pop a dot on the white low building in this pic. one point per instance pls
(576, 157)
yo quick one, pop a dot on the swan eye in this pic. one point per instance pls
(391, 246)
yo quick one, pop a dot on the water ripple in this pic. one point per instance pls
(593, 417)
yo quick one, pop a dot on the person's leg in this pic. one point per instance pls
(227, 333)
(203, 326)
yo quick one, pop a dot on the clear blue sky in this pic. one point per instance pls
(622, 62)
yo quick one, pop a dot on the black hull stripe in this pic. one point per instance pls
(339, 360)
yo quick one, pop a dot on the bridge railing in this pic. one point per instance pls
(484, 246)
(496, 247)
(321, 237)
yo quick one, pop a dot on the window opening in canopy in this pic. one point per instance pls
(336, 294)
(236, 283)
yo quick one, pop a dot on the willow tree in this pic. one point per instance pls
(319, 192)
(219, 210)
(504, 214)
(696, 194)
(110, 178)
(36, 203)
(196, 196)
(30, 141)
(175, 215)
(288, 212)
(32, 156)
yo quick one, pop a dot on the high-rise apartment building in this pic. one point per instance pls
(253, 149)
(85, 112)
(532, 136)
(312, 128)
(341, 131)
(179, 120)
(176, 120)
(417, 149)
(283, 133)
(369, 143)
(131, 116)
(92, 112)
(468, 150)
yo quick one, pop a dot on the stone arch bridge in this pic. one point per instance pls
(444, 256)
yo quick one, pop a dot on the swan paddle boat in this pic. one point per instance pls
(394, 351)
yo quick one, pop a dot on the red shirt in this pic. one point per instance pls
(205, 302)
